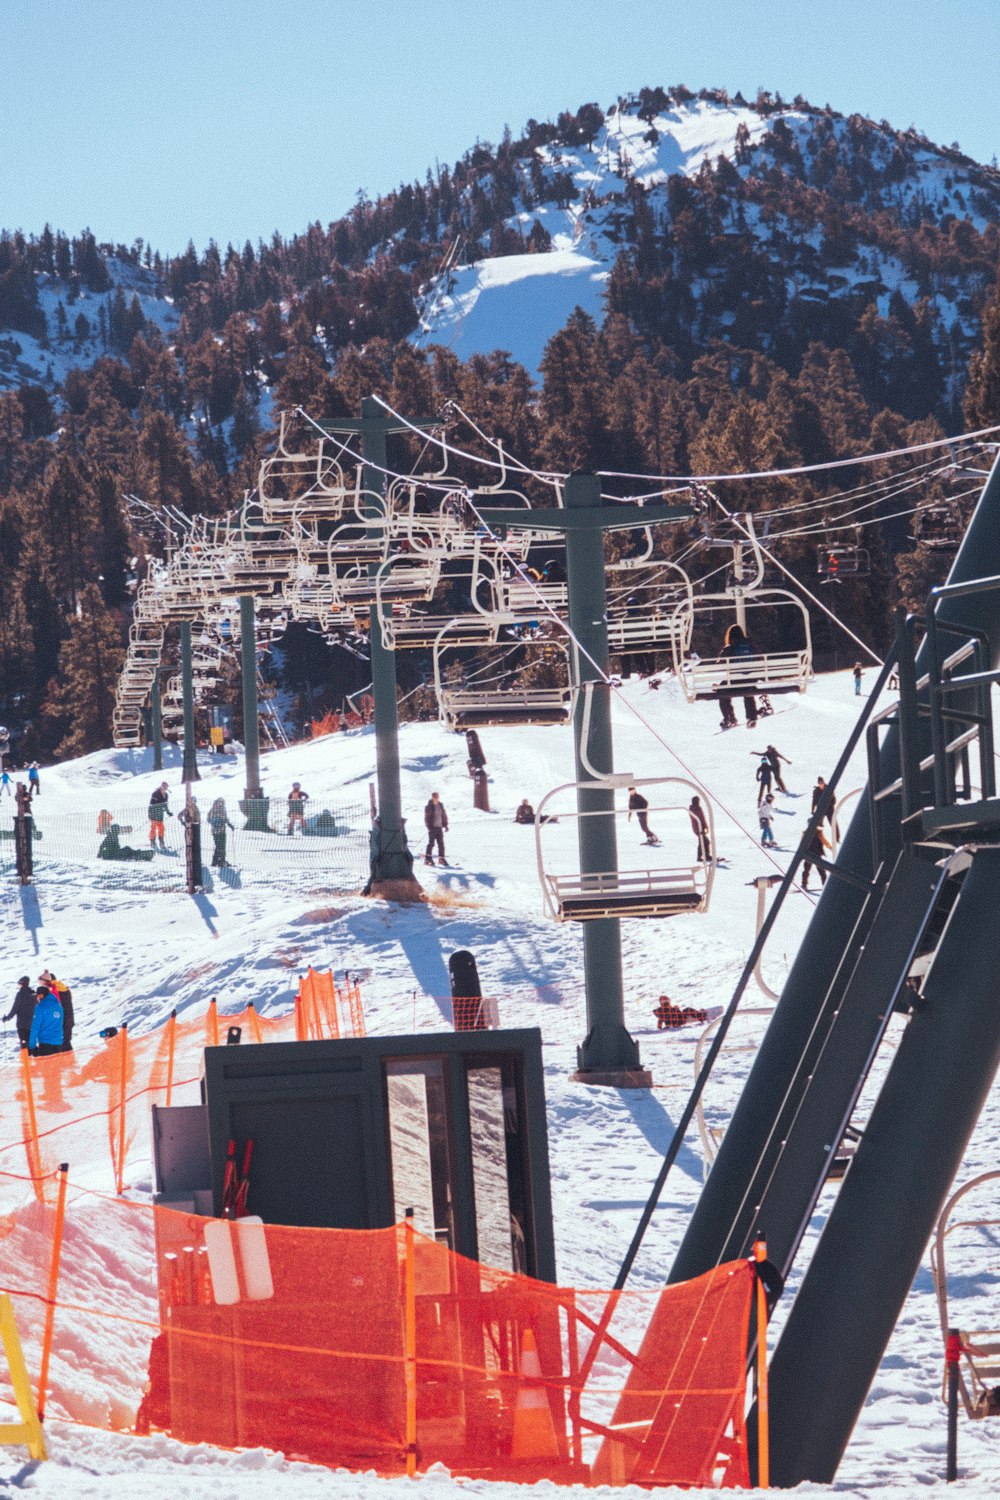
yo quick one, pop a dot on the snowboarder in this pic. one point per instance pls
(64, 995)
(219, 822)
(774, 759)
(46, 1034)
(436, 823)
(814, 851)
(639, 805)
(34, 785)
(525, 812)
(765, 816)
(22, 1009)
(297, 799)
(158, 810)
(5, 790)
(737, 647)
(763, 775)
(671, 1017)
(699, 827)
(857, 679)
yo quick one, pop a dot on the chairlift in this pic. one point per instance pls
(649, 612)
(650, 889)
(469, 705)
(976, 1233)
(842, 560)
(771, 670)
(311, 482)
(937, 526)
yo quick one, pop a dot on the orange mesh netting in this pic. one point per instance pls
(365, 1355)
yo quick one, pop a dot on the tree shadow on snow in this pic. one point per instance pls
(417, 935)
(31, 912)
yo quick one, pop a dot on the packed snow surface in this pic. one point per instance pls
(136, 955)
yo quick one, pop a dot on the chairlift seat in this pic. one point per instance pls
(628, 893)
(711, 677)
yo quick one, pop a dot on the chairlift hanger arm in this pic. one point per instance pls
(604, 518)
(369, 426)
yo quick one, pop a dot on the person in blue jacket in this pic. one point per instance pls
(46, 1034)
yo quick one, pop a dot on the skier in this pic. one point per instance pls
(525, 812)
(34, 785)
(5, 784)
(737, 647)
(763, 776)
(64, 995)
(857, 679)
(699, 827)
(814, 851)
(765, 816)
(158, 810)
(639, 805)
(46, 1034)
(774, 759)
(23, 1009)
(297, 800)
(219, 822)
(436, 823)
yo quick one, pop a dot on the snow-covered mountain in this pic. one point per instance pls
(699, 217)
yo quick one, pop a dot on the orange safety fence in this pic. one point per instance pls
(326, 1009)
(91, 1106)
(374, 1349)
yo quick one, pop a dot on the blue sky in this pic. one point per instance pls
(228, 119)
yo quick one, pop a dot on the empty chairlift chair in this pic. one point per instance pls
(486, 692)
(653, 878)
(651, 609)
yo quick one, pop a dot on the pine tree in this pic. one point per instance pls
(81, 706)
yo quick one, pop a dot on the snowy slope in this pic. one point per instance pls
(135, 956)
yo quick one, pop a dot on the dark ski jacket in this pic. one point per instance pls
(22, 1010)
(435, 815)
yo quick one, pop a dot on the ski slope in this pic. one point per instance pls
(136, 956)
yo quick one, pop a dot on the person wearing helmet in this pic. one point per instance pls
(297, 799)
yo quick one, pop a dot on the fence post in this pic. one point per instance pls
(171, 1039)
(300, 1034)
(763, 1428)
(952, 1356)
(410, 1363)
(50, 1305)
(122, 1090)
(24, 832)
(31, 1145)
(253, 1021)
(212, 1022)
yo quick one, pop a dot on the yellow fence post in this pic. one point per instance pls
(171, 1042)
(29, 1429)
(31, 1144)
(122, 1091)
(50, 1303)
(763, 1427)
(410, 1363)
